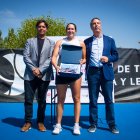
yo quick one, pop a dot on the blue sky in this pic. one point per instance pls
(120, 18)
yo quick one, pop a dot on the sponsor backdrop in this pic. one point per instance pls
(126, 82)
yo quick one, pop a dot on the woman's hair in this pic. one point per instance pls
(40, 21)
(73, 25)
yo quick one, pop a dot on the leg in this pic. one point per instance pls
(94, 87)
(107, 88)
(29, 87)
(42, 91)
(61, 92)
(75, 88)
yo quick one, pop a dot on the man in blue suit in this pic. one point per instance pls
(37, 57)
(101, 53)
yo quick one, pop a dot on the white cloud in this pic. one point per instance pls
(7, 13)
(8, 19)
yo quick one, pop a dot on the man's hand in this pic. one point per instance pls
(37, 72)
(104, 59)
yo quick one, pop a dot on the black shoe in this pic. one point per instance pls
(92, 128)
(114, 130)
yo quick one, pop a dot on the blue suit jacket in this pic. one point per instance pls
(109, 50)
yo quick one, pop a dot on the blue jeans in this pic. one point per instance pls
(96, 80)
(30, 89)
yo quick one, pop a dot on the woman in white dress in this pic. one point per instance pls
(63, 82)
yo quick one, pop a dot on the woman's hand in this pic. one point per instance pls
(57, 69)
(82, 61)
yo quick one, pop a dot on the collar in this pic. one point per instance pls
(100, 36)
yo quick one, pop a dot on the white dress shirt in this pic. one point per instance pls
(96, 52)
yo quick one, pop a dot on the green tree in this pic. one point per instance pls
(28, 30)
(11, 40)
(1, 40)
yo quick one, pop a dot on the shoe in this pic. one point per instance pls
(92, 128)
(76, 130)
(113, 129)
(41, 127)
(26, 127)
(57, 129)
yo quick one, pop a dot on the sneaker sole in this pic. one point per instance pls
(76, 133)
(42, 130)
(26, 130)
(115, 132)
(56, 133)
(91, 131)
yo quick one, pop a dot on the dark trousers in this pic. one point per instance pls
(95, 81)
(30, 89)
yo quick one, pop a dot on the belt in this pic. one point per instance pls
(96, 68)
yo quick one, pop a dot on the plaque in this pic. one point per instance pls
(70, 61)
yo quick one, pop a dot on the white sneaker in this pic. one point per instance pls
(57, 129)
(76, 130)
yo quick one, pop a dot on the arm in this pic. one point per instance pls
(113, 54)
(27, 56)
(83, 60)
(55, 55)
